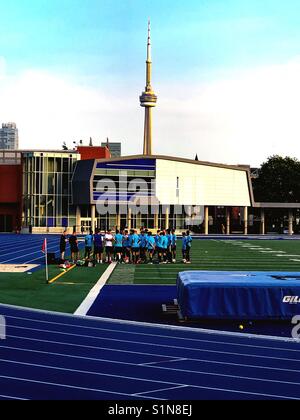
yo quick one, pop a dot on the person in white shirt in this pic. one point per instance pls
(109, 246)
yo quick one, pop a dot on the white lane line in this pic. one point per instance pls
(31, 253)
(139, 379)
(160, 390)
(175, 337)
(94, 293)
(32, 381)
(152, 327)
(10, 397)
(114, 350)
(182, 359)
(238, 392)
(145, 397)
(157, 345)
(27, 248)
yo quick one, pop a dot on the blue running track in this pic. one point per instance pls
(27, 249)
(53, 356)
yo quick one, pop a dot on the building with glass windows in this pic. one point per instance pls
(47, 189)
(158, 192)
(36, 188)
(9, 137)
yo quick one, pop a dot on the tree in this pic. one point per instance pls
(278, 181)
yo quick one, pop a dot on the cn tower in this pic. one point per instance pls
(148, 100)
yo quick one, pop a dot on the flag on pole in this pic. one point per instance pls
(45, 251)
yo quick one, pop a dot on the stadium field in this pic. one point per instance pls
(67, 293)
(217, 255)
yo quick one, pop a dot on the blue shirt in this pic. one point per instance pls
(164, 242)
(126, 241)
(169, 237)
(98, 240)
(135, 241)
(158, 241)
(186, 242)
(143, 241)
(118, 240)
(150, 243)
(189, 240)
(89, 240)
(174, 239)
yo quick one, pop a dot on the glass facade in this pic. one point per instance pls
(47, 189)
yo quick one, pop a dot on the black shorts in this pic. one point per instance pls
(98, 250)
(74, 249)
(174, 247)
(118, 250)
(135, 249)
(62, 250)
(109, 249)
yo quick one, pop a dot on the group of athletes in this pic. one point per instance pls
(131, 247)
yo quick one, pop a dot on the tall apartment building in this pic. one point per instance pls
(9, 137)
(114, 148)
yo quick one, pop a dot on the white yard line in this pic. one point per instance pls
(94, 293)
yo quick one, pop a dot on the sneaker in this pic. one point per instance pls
(184, 261)
(188, 262)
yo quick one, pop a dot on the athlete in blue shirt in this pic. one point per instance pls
(126, 247)
(169, 251)
(189, 241)
(88, 245)
(118, 246)
(135, 246)
(163, 247)
(186, 247)
(173, 245)
(150, 246)
(157, 238)
(143, 246)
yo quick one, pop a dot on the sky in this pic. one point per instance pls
(226, 72)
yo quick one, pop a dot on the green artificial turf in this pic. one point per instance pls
(217, 255)
(65, 295)
(69, 291)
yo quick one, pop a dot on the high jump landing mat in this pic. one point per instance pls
(238, 295)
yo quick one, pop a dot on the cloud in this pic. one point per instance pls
(50, 109)
(243, 118)
(2, 67)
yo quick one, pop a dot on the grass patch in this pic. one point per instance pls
(65, 295)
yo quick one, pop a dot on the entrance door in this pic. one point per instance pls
(6, 223)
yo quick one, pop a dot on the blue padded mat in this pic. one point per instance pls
(239, 295)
